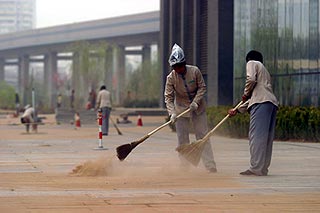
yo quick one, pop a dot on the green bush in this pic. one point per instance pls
(236, 126)
(7, 96)
(293, 123)
(299, 123)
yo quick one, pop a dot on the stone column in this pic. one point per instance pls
(75, 78)
(51, 77)
(146, 54)
(2, 75)
(119, 77)
(109, 68)
(24, 87)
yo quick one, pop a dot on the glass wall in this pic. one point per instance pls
(287, 33)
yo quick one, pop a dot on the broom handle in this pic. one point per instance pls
(207, 136)
(167, 123)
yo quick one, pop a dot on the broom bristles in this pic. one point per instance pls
(192, 152)
(124, 150)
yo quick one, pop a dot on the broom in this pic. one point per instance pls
(192, 152)
(115, 126)
(124, 150)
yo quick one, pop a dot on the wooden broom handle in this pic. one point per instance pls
(207, 136)
(167, 123)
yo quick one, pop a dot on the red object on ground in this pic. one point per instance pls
(77, 120)
(139, 123)
(78, 123)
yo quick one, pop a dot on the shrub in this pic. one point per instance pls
(293, 123)
(236, 126)
(7, 96)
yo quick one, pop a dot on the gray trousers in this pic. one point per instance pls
(105, 120)
(261, 134)
(201, 128)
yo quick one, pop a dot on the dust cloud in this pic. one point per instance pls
(100, 167)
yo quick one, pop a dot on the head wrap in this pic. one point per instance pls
(177, 55)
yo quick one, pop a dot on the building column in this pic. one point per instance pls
(119, 77)
(109, 65)
(213, 55)
(51, 77)
(164, 47)
(23, 80)
(75, 77)
(146, 57)
(146, 54)
(220, 61)
(2, 75)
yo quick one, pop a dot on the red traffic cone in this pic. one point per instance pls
(139, 123)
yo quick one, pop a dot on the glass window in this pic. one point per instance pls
(287, 32)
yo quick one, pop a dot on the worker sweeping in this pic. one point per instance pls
(104, 103)
(262, 106)
(28, 118)
(185, 88)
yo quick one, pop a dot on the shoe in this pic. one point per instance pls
(212, 170)
(105, 134)
(247, 172)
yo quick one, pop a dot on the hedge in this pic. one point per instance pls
(293, 123)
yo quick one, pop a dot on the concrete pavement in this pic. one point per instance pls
(36, 174)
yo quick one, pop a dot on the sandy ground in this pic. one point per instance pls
(59, 170)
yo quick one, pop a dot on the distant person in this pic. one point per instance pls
(125, 119)
(93, 98)
(185, 88)
(77, 120)
(89, 104)
(17, 103)
(262, 106)
(104, 103)
(72, 99)
(59, 100)
(28, 118)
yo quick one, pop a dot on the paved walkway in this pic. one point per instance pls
(58, 170)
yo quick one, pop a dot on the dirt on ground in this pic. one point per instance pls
(149, 181)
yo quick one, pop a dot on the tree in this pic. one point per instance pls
(7, 96)
(90, 67)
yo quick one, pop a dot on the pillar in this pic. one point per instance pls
(108, 63)
(75, 78)
(119, 77)
(146, 57)
(2, 75)
(146, 54)
(23, 73)
(51, 77)
(164, 46)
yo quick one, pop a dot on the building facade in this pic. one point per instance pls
(17, 15)
(287, 33)
(204, 29)
(217, 34)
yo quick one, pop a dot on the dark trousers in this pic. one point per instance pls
(105, 120)
(261, 134)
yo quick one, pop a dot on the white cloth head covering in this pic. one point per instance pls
(27, 106)
(177, 55)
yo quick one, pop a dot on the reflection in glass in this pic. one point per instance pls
(287, 32)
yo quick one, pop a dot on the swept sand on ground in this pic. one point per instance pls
(56, 170)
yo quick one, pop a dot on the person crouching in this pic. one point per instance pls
(28, 118)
